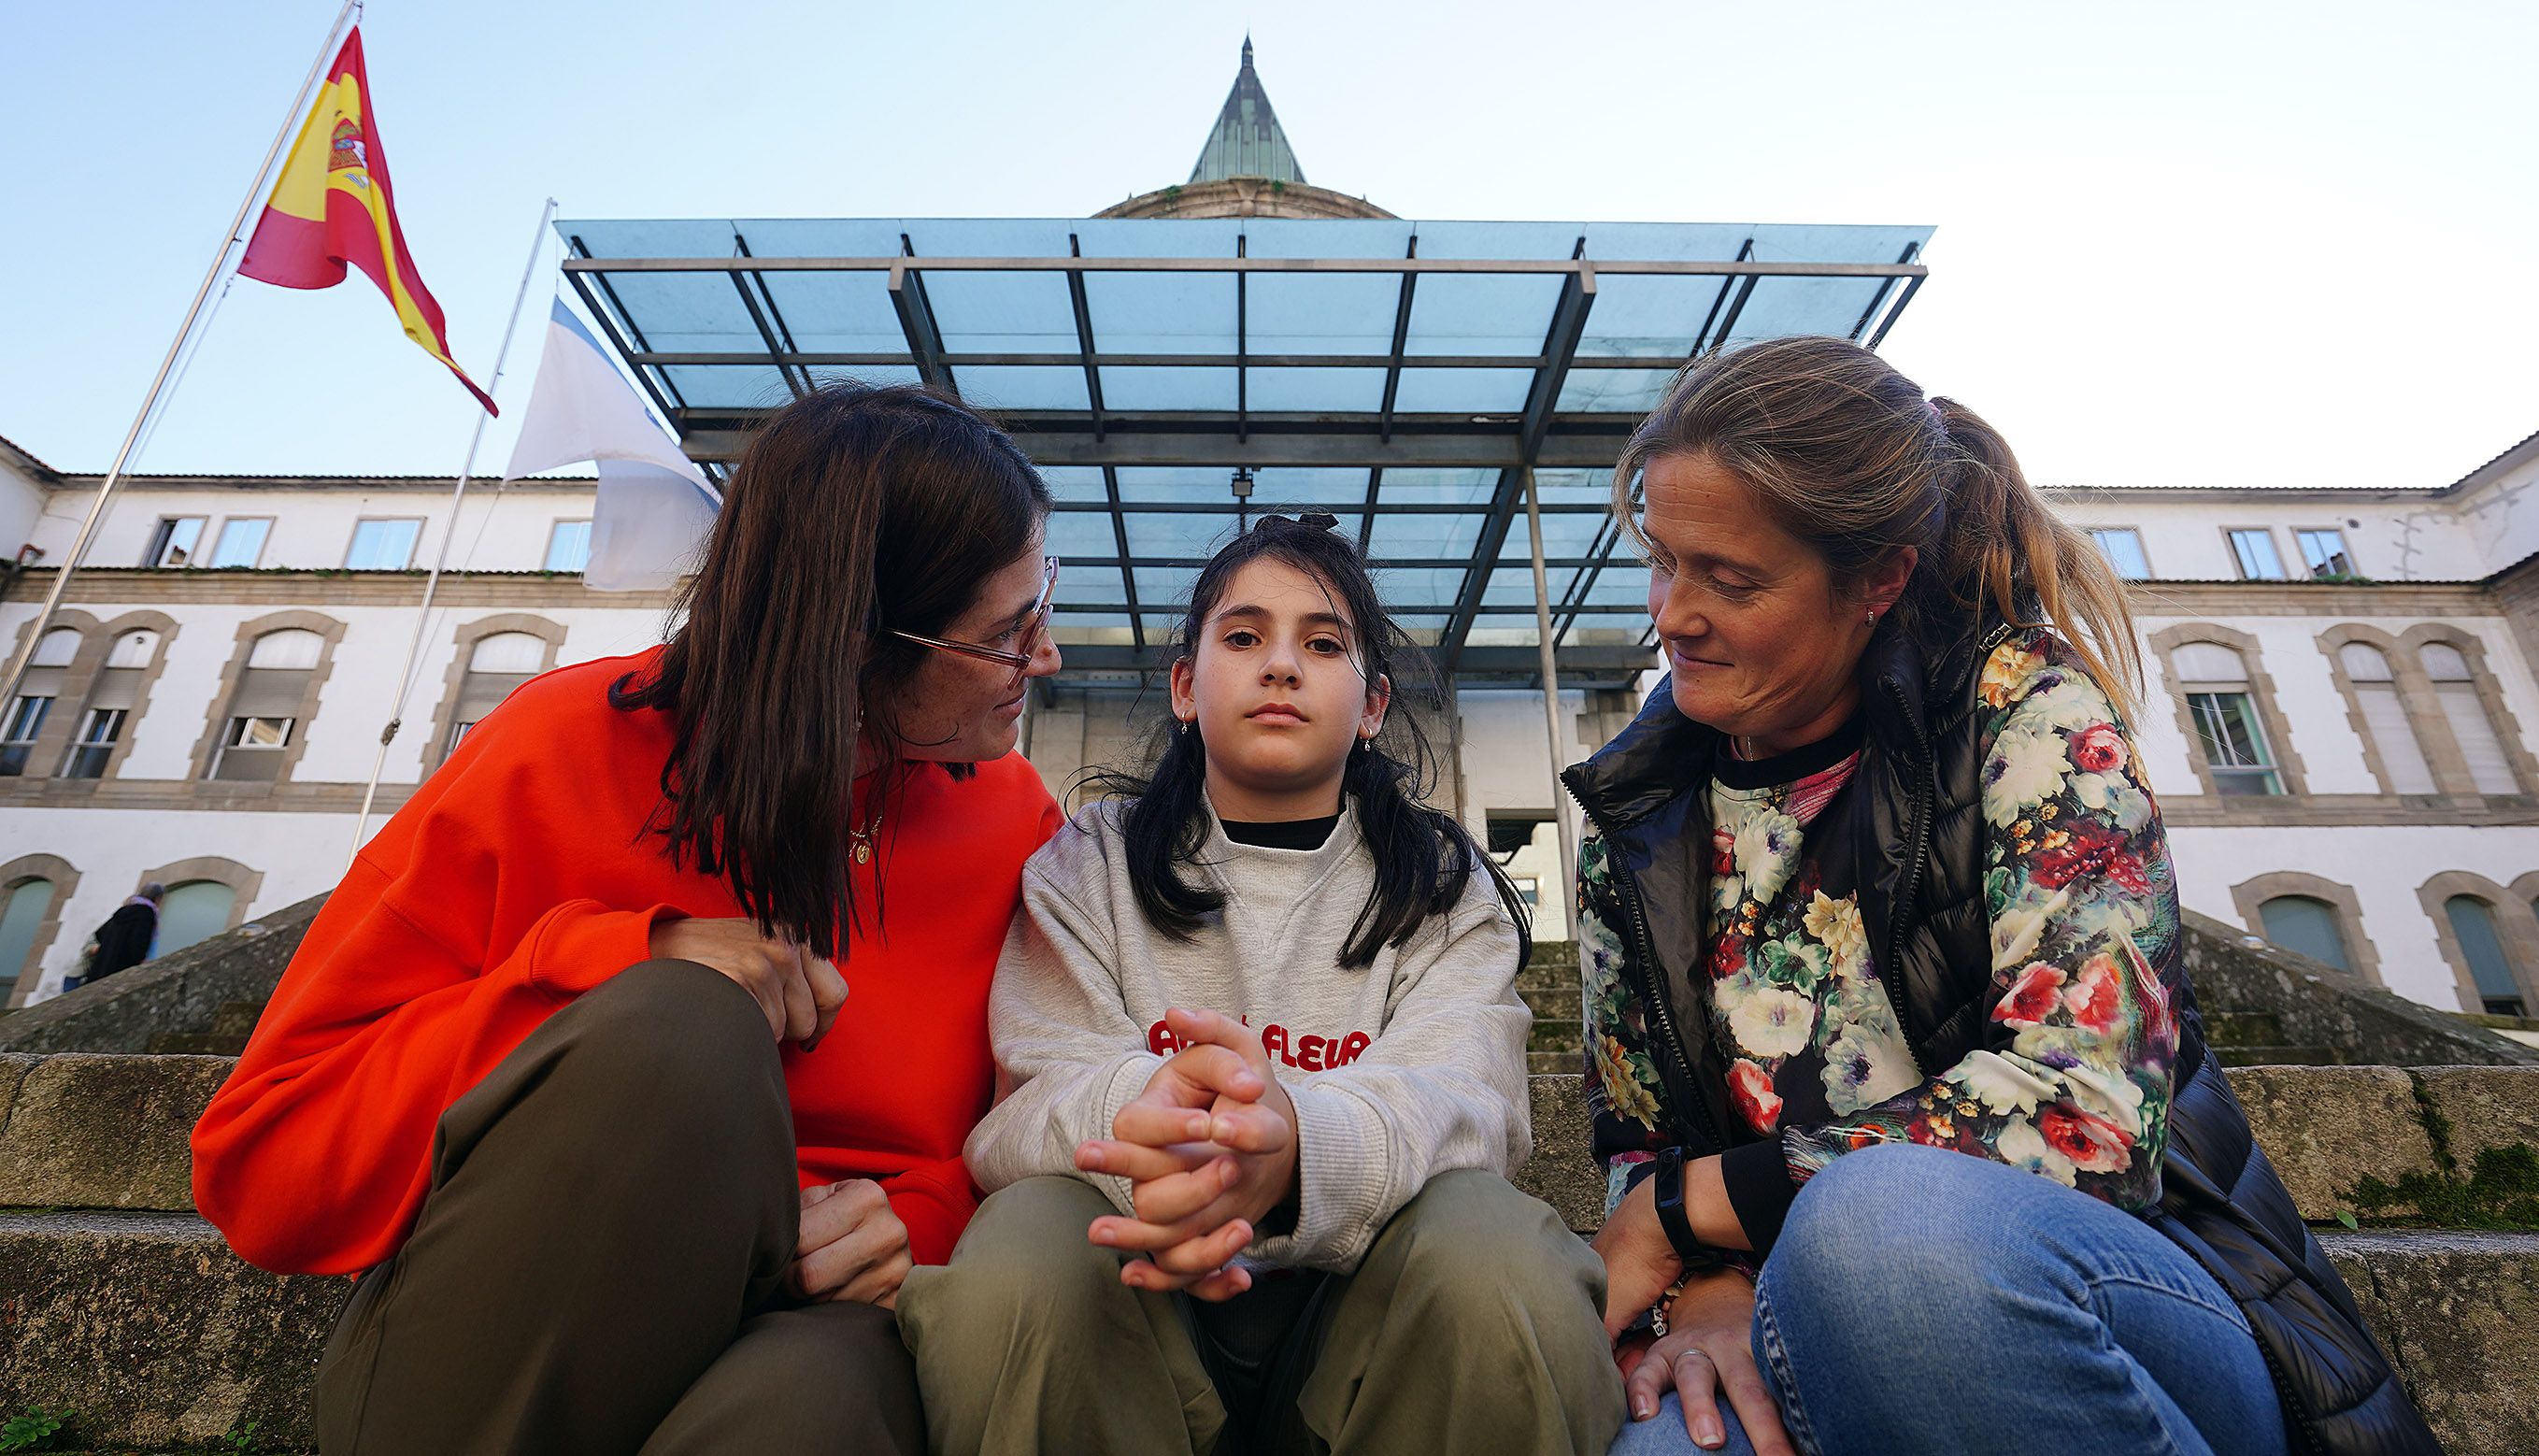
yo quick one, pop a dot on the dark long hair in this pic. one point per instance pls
(1425, 859)
(854, 511)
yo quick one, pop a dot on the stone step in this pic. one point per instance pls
(1555, 1036)
(1553, 1003)
(1556, 953)
(130, 1311)
(2243, 1029)
(155, 1335)
(237, 1018)
(2275, 1056)
(197, 1044)
(107, 1130)
(1548, 978)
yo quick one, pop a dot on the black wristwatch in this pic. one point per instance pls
(1666, 1186)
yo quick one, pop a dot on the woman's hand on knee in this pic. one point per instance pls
(1639, 1262)
(1708, 1352)
(799, 992)
(852, 1246)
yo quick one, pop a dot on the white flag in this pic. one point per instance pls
(654, 504)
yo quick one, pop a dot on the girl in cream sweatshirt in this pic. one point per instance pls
(1261, 1063)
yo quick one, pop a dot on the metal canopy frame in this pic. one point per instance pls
(1509, 448)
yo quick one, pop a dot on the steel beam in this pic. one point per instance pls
(1400, 337)
(1522, 663)
(1684, 267)
(1160, 361)
(1912, 286)
(1085, 339)
(1071, 442)
(1120, 539)
(917, 324)
(774, 348)
(1883, 288)
(1559, 346)
(657, 389)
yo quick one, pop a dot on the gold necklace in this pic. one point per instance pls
(861, 839)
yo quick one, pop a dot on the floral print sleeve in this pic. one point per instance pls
(2074, 1080)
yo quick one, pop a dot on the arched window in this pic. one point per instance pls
(2215, 680)
(36, 690)
(2490, 768)
(196, 910)
(495, 665)
(264, 711)
(2384, 713)
(22, 908)
(2309, 925)
(111, 701)
(2473, 926)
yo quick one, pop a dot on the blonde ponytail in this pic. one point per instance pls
(1845, 453)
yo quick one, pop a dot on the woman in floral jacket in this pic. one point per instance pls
(1912, 1140)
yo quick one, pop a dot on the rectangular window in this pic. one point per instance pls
(382, 545)
(173, 542)
(17, 735)
(569, 548)
(2255, 549)
(96, 743)
(2323, 552)
(242, 542)
(251, 750)
(2235, 745)
(2122, 546)
(457, 734)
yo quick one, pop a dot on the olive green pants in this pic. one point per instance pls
(598, 1264)
(1472, 1325)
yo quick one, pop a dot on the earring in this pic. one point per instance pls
(1872, 616)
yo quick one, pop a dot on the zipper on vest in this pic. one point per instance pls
(1904, 912)
(1627, 889)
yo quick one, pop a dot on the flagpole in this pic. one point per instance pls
(290, 121)
(449, 533)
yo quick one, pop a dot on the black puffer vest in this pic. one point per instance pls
(1921, 898)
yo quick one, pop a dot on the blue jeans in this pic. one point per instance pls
(1923, 1300)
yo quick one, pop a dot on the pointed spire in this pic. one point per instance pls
(1247, 140)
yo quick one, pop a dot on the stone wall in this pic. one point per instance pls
(174, 995)
(2320, 1005)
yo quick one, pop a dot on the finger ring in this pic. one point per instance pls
(1680, 1355)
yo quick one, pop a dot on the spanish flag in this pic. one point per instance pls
(333, 206)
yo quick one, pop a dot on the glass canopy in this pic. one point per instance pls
(1405, 376)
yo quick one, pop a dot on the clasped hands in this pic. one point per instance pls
(1209, 1150)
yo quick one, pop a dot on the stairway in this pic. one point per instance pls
(1550, 985)
(227, 1036)
(2257, 1039)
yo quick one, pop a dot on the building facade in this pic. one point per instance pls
(2340, 689)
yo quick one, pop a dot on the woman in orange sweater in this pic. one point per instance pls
(569, 1064)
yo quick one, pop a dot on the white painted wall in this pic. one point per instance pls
(112, 849)
(505, 530)
(2385, 866)
(22, 503)
(1505, 764)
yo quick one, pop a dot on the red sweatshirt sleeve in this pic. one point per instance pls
(934, 1204)
(434, 959)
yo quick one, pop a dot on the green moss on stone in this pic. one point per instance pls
(2501, 1193)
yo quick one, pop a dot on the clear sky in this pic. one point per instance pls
(2179, 243)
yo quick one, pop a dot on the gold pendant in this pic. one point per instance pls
(863, 854)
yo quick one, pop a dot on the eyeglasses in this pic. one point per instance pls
(1032, 636)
